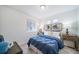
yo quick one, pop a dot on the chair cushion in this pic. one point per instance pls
(3, 47)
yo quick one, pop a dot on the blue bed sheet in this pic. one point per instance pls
(46, 44)
(59, 41)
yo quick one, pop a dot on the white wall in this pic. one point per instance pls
(13, 25)
(78, 22)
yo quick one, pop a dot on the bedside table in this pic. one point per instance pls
(73, 38)
(15, 49)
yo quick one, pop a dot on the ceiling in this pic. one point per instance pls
(50, 10)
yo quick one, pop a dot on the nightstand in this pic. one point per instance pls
(73, 38)
(15, 49)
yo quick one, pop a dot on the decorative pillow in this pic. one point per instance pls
(3, 47)
(56, 34)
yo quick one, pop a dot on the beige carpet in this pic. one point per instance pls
(65, 50)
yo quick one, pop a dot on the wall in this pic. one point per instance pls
(78, 22)
(13, 25)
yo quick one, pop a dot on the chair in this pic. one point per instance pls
(1, 38)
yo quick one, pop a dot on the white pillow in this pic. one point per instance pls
(56, 34)
(45, 33)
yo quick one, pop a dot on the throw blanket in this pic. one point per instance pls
(46, 44)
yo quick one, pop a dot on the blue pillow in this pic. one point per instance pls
(3, 47)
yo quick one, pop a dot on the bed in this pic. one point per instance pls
(45, 44)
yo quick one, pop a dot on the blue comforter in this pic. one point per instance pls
(46, 44)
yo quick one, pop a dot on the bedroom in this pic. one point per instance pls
(21, 22)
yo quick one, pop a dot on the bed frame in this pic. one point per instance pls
(37, 51)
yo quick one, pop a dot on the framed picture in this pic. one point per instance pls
(57, 27)
(47, 27)
(31, 25)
